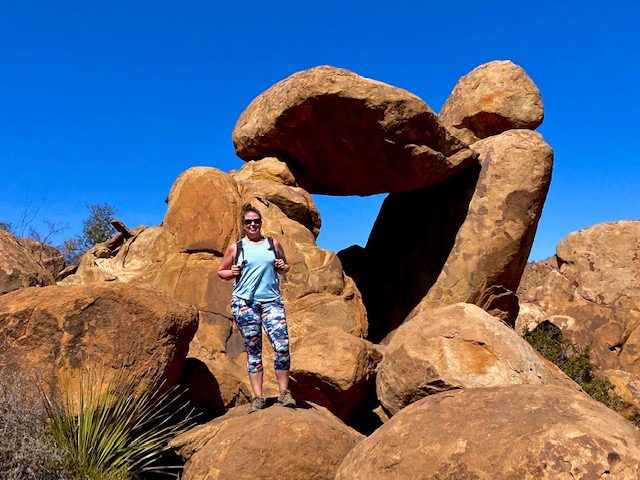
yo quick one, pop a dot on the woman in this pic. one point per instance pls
(256, 301)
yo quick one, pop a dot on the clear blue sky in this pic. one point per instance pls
(110, 101)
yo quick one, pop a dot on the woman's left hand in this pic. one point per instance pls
(280, 265)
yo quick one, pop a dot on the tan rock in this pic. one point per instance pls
(18, 267)
(193, 278)
(454, 347)
(275, 443)
(56, 331)
(202, 213)
(492, 245)
(527, 432)
(593, 293)
(46, 255)
(309, 118)
(627, 386)
(491, 99)
(334, 369)
(268, 168)
(530, 316)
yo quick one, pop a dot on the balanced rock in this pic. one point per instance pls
(491, 99)
(334, 369)
(275, 443)
(454, 347)
(18, 267)
(344, 134)
(528, 432)
(56, 331)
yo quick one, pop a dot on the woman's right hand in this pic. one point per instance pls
(235, 270)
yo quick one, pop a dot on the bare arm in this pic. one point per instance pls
(281, 262)
(226, 270)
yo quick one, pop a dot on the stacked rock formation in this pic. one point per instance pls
(431, 369)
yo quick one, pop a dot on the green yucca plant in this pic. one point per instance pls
(108, 430)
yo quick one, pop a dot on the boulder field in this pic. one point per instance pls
(405, 359)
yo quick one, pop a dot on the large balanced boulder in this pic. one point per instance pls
(334, 369)
(454, 347)
(344, 134)
(591, 291)
(491, 99)
(524, 432)
(275, 443)
(18, 267)
(54, 332)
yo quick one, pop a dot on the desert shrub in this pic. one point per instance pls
(106, 430)
(26, 453)
(548, 340)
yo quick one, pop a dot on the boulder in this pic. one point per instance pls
(334, 369)
(275, 443)
(493, 244)
(455, 347)
(344, 134)
(528, 432)
(55, 331)
(491, 99)
(202, 213)
(270, 180)
(18, 267)
(530, 316)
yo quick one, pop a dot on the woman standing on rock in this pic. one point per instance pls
(254, 262)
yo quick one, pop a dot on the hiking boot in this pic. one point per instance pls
(286, 400)
(258, 403)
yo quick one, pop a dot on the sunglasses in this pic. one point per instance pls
(249, 221)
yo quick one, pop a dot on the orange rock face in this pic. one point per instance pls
(55, 331)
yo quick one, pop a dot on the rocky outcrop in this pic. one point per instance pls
(454, 347)
(275, 443)
(477, 228)
(528, 432)
(491, 99)
(334, 369)
(55, 331)
(18, 267)
(344, 134)
(593, 293)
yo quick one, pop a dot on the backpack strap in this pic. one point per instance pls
(239, 251)
(273, 247)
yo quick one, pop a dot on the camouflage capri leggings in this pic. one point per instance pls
(249, 317)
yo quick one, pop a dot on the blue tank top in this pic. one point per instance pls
(258, 280)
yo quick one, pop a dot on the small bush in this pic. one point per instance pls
(108, 431)
(25, 450)
(548, 340)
